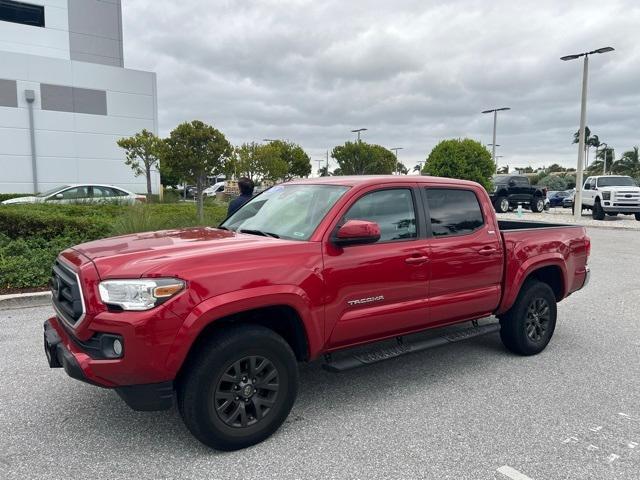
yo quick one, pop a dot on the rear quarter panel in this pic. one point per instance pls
(531, 249)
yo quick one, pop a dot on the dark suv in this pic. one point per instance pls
(510, 190)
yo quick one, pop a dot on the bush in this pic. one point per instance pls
(33, 235)
(553, 183)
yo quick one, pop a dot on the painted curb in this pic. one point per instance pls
(25, 300)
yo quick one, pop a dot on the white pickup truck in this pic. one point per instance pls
(611, 195)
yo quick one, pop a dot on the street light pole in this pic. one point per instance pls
(495, 125)
(358, 130)
(577, 202)
(395, 149)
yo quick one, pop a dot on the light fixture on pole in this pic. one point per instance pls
(577, 209)
(358, 130)
(495, 124)
(269, 140)
(395, 149)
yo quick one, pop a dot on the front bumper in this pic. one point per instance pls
(61, 352)
(613, 207)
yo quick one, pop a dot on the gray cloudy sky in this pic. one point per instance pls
(413, 72)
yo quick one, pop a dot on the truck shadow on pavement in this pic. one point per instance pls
(321, 395)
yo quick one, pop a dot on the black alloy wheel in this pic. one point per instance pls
(246, 391)
(537, 322)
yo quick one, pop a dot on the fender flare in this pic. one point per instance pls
(220, 306)
(526, 269)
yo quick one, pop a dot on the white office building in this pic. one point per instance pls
(65, 96)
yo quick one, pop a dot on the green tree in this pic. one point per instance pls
(324, 171)
(361, 158)
(555, 168)
(298, 163)
(461, 158)
(143, 151)
(246, 162)
(629, 163)
(194, 151)
(401, 169)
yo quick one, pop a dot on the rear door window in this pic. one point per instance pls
(453, 211)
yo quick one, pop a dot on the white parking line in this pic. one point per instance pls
(512, 473)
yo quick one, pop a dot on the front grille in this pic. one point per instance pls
(66, 294)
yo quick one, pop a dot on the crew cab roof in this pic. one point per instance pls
(366, 180)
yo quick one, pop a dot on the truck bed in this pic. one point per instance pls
(509, 225)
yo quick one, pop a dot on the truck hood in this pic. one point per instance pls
(163, 252)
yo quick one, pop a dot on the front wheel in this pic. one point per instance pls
(597, 213)
(239, 388)
(528, 326)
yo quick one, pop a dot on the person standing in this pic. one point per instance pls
(246, 187)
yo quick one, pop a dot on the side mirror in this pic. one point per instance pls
(357, 232)
(587, 186)
(59, 196)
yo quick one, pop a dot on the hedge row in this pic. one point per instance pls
(31, 236)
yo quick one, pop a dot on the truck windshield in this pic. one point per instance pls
(616, 182)
(286, 211)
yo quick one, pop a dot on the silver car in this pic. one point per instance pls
(81, 193)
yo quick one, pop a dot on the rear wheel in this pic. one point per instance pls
(597, 213)
(537, 205)
(528, 326)
(239, 388)
(502, 205)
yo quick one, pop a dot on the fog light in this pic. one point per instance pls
(117, 347)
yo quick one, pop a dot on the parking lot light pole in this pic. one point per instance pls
(495, 124)
(577, 199)
(358, 130)
(395, 150)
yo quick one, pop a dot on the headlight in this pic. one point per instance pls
(142, 294)
(606, 195)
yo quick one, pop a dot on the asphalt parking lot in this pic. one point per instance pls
(465, 411)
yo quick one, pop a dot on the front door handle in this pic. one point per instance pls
(416, 260)
(487, 250)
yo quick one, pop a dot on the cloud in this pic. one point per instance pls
(413, 72)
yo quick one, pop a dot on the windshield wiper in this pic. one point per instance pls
(223, 228)
(259, 232)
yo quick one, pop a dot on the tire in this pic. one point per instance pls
(502, 204)
(528, 326)
(537, 205)
(211, 410)
(638, 216)
(597, 213)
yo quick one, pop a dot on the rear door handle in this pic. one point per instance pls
(416, 260)
(487, 250)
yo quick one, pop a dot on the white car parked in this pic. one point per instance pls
(81, 193)
(215, 188)
(611, 195)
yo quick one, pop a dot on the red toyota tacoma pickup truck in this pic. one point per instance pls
(219, 317)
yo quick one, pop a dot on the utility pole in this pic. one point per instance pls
(30, 97)
(577, 203)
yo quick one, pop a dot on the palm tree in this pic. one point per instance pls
(629, 163)
(418, 168)
(589, 141)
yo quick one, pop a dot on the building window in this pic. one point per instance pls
(24, 13)
(8, 93)
(71, 99)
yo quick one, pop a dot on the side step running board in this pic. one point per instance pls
(403, 348)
